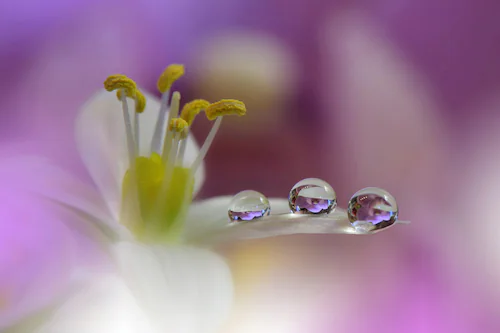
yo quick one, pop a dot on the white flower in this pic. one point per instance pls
(158, 280)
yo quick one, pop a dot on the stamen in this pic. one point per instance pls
(206, 145)
(181, 128)
(169, 166)
(160, 123)
(140, 105)
(225, 107)
(128, 88)
(191, 109)
(140, 100)
(216, 111)
(128, 130)
(182, 152)
(122, 82)
(171, 74)
(137, 135)
(178, 125)
(174, 110)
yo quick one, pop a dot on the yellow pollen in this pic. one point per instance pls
(119, 81)
(179, 125)
(139, 98)
(171, 74)
(191, 109)
(225, 107)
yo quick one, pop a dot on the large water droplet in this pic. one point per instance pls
(372, 208)
(312, 196)
(248, 205)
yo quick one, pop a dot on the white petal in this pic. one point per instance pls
(183, 290)
(106, 306)
(100, 135)
(207, 223)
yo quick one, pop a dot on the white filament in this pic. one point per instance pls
(174, 109)
(160, 123)
(170, 165)
(167, 146)
(206, 145)
(182, 152)
(136, 132)
(128, 129)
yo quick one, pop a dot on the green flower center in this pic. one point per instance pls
(153, 207)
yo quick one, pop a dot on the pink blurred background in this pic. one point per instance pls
(403, 95)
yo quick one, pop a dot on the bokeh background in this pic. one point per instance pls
(403, 95)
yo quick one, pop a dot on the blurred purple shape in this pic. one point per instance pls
(365, 208)
(312, 205)
(41, 243)
(246, 216)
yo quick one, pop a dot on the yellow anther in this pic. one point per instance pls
(171, 74)
(118, 81)
(225, 107)
(179, 125)
(140, 104)
(191, 109)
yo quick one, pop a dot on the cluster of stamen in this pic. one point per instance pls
(171, 187)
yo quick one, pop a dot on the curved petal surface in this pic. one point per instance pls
(107, 305)
(154, 290)
(184, 290)
(218, 229)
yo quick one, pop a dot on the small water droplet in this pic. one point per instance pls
(248, 205)
(372, 208)
(312, 196)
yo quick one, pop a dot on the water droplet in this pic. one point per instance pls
(372, 208)
(248, 205)
(312, 196)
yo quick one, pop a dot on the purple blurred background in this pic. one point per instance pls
(403, 95)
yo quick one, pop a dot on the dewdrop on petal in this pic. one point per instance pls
(372, 208)
(248, 205)
(312, 196)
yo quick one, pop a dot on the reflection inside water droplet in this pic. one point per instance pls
(248, 205)
(371, 209)
(312, 196)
